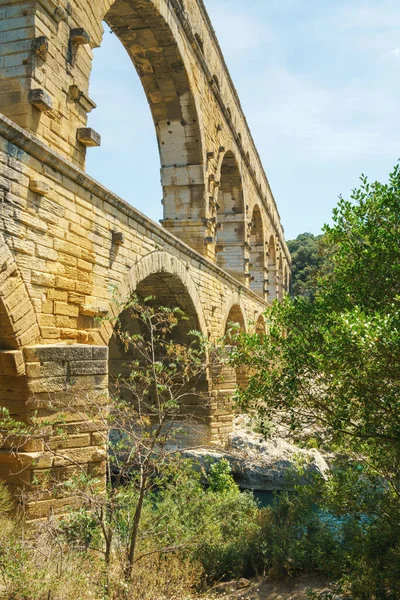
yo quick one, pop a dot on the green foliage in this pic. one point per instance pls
(219, 477)
(80, 529)
(335, 362)
(364, 249)
(307, 258)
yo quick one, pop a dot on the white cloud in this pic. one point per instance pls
(392, 53)
(310, 122)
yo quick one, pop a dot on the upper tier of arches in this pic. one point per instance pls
(211, 174)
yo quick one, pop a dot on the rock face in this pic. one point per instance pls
(260, 464)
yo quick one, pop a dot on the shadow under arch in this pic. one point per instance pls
(236, 318)
(151, 38)
(260, 326)
(152, 279)
(281, 281)
(272, 271)
(257, 253)
(231, 234)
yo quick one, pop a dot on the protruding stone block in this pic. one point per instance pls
(40, 99)
(11, 363)
(89, 310)
(41, 46)
(39, 187)
(81, 98)
(118, 238)
(79, 36)
(88, 137)
(60, 14)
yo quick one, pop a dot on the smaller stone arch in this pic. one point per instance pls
(257, 253)
(260, 326)
(156, 262)
(272, 270)
(236, 315)
(234, 312)
(166, 281)
(230, 215)
(287, 278)
(281, 280)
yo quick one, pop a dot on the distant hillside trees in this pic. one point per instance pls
(307, 252)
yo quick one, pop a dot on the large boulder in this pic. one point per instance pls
(260, 464)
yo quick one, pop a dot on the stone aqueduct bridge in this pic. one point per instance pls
(66, 241)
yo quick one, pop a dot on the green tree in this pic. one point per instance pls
(335, 362)
(307, 256)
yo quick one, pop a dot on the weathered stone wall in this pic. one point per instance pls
(68, 245)
(45, 68)
(59, 386)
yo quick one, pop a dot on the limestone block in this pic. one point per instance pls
(39, 187)
(40, 46)
(69, 441)
(57, 352)
(25, 459)
(91, 454)
(88, 137)
(40, 100)
(118, 238)
(42, 508)
(79, 36)
(11, 363)
(89, 310)
(87, 367)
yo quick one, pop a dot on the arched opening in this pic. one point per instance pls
(128, 160)
(281, 280)
(272, 271)
(230, 239)
(167, 290)
(153, 47)
(260, 326)
(287, 279)
(257, 253)
(236, 320)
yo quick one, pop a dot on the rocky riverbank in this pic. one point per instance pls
(259, 464)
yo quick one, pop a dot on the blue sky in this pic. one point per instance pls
(319, 82)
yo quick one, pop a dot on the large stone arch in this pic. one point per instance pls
(231, 218)
(151, 264)
(148, 31)
(257, 252)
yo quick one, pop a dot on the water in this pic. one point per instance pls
(264, 498)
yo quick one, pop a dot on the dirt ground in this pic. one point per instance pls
(267, 590)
